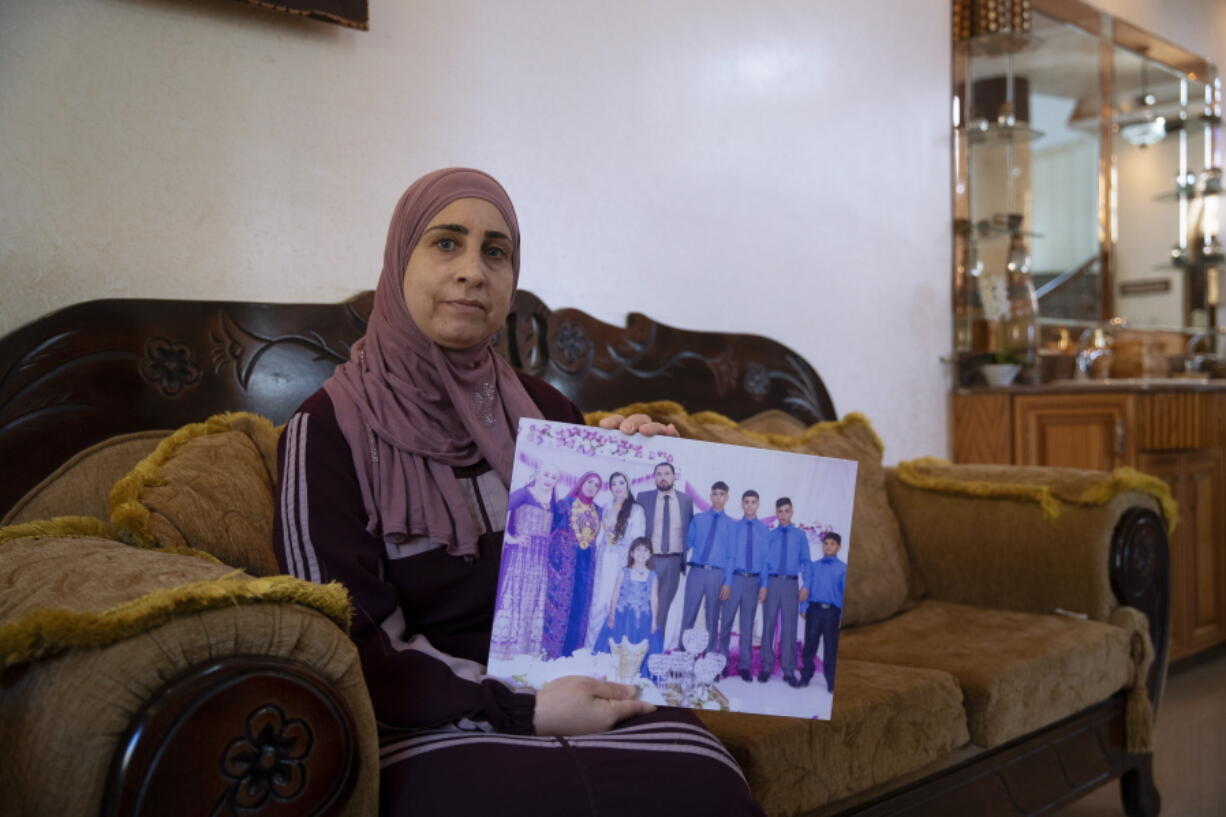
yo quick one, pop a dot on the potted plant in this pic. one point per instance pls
(1001, 368)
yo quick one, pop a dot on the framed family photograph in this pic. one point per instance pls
(711, 576)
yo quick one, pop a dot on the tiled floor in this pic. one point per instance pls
(1190, 751)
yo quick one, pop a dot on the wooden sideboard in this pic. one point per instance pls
(1177, 433)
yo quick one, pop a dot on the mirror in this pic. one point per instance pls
(1065, 98)
(1161, 157)
(1086, 148)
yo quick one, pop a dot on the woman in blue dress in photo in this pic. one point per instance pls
(634, 605)
(571, 568)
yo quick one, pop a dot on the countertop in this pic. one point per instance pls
(1138, 384)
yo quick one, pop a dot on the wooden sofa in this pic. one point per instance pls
(90, 372)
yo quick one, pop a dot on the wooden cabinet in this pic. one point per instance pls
(1197, 591)
(1074, 431)
(1177, 435)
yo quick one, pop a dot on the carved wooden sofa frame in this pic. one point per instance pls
(101, 368)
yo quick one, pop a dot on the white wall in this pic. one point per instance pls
(1197, 25)
(777, 167)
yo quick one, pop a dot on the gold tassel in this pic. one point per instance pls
(1129, 479)
(47, 632)
(61, 527)
(911, 472)
(666, 411)
(1139, 712)
(918, 474)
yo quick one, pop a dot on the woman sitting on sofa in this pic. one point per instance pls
(393, 481)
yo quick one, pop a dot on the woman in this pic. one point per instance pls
(569, 596)
(519, 619)
(392, 477)
(621, 522)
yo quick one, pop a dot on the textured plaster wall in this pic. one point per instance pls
(776, 167)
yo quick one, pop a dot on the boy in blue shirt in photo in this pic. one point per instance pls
(708, 546)
(743, 582)
(824, 582)
(787, 553)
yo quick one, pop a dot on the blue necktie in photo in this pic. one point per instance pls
(749, 546)
(706, 548)
(664, 538)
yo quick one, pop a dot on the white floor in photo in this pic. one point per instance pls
(774, 697)
(777, 698)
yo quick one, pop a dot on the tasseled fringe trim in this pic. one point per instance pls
(669, 409)
(1121, 480)
(128, 515)
(87, 527)
(63, 527)
(1139, 712)
(47, 632)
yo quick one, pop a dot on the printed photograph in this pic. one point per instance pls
(711, 576)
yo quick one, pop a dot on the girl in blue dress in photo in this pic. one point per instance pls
(634, 618)
(621, 522)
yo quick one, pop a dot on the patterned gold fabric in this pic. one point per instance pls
(208, 486)
(887, 721)
(80, 486)
(1034, 563)
(1018, 671)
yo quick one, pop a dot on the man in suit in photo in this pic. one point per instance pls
(707, 548)
(669, 513)
(787, 553)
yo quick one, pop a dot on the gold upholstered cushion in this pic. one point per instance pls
(773, 421)
(80, 486)
(1018, 671)
(90, 629)
(887, 721)
(209, 486)
(879, 570)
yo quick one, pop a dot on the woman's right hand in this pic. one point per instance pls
(579, 705)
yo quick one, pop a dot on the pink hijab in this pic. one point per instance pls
(577, 491)
(412, 410)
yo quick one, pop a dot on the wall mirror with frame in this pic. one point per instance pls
(1087, 174)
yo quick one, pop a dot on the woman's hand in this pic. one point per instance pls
(638, 423)
(579, 705)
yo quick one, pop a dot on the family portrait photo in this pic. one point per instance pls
(711, 576)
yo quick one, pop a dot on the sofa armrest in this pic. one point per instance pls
(1009, 552)
(1013, 553)
(135, 681)
(234, 733)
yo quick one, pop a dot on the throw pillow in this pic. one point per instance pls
(208, 486)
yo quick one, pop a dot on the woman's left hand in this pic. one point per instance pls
(640, 424)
